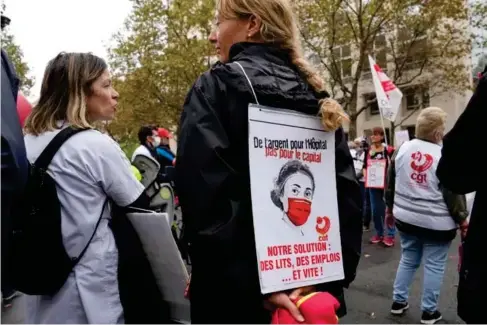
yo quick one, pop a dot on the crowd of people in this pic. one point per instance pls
(418, 188)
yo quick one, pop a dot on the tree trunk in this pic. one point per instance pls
(392, 133)
(352, 128)
(352, 112)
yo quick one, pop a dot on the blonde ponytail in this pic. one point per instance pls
(331, 112)
(280, 26)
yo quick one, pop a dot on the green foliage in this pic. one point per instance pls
(478, 23)
(415, 41)
(128, 145)
(156, 57)
(16, 55)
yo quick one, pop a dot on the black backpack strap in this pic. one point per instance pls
(45, 159)
(48, 153)
(80, 256)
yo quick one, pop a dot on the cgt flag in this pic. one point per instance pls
(388, 95)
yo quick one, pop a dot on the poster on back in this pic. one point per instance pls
(154, 230)
(294, 199)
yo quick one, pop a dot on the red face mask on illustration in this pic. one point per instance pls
(298, 211)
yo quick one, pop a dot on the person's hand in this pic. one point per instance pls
(186, 289)
(463, 228)
(388, 212)
(284, 300)
(301, 292)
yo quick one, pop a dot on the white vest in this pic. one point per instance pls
(143, 151)
(418, 200)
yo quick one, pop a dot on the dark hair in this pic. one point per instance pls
(287, 170)
(67, 80)
(144, 132)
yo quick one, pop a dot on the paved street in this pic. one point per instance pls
(369, 297)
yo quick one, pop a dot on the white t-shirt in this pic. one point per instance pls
(88, 167)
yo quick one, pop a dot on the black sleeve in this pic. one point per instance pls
(366, 158)
(391, 182)
(203, 171)
(349, 209)
(142, 202)
(456, 171)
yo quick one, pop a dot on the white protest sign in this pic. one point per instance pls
(401, 137)
(388, 95)
(171, 275)
(294, 199)
(375, 174)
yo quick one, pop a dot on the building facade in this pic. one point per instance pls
(417, 94)
(415, 97)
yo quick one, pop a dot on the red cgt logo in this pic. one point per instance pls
(322, 225)
(421, 162)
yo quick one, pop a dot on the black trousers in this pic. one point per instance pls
(367, 213)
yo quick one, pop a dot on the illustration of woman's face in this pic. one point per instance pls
(296, 198)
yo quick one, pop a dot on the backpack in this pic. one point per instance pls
(40, 263)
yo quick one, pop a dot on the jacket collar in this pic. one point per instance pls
(268, 50)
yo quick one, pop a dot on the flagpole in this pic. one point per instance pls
(383, 127)
(382, 95)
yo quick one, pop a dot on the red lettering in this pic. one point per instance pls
(419, 178)
(267, 265)
(302, 261)
(311, 272)
(325, 258)
(279, 250)
(312, 157)
(283, 263)
(286, 154)
(269, 152)
(296, 274)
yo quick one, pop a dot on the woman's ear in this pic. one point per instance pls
(285, 204)
(254, 27)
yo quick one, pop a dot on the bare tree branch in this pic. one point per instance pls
(407, 116)
(357, 113)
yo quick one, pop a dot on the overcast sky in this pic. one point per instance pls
(43, 28)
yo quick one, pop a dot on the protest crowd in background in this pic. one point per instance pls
(258, 215)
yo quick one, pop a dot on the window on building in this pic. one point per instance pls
(416, 97)
(411, 130)
(413, 45)
(371, 102)
(343, 58)
(417, 54)
(378, 50)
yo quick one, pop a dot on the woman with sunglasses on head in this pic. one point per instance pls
(213, 160)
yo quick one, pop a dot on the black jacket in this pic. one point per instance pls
(461, 174)
(212, 175)
(14, 160)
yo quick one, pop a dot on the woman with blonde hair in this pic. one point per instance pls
(212, 167)
(427, 215)
(87, 169)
